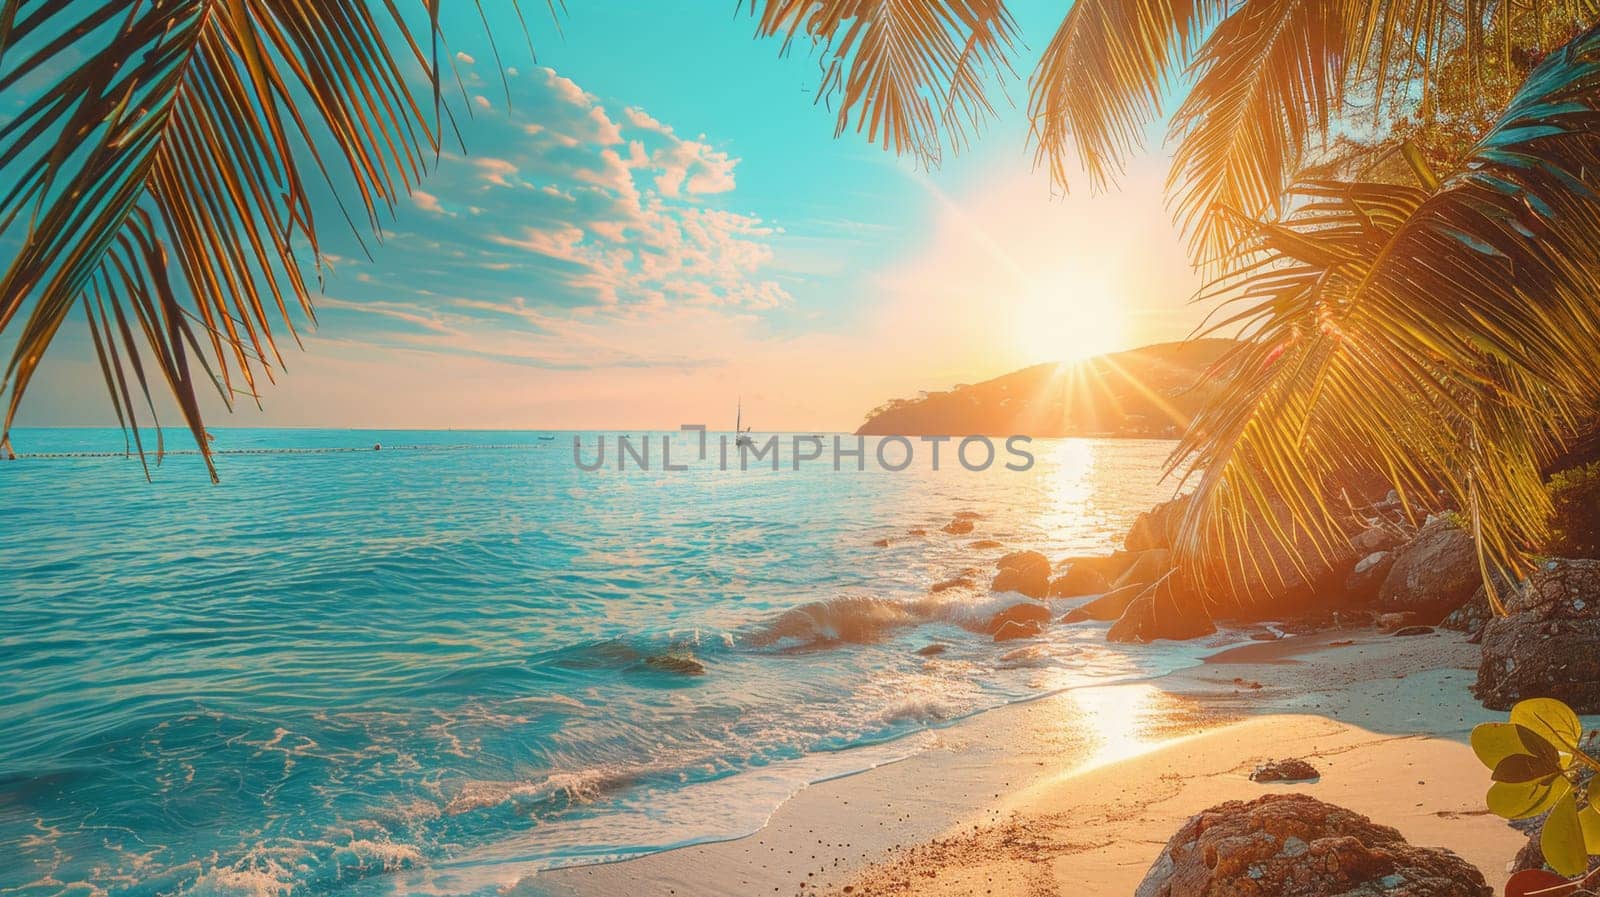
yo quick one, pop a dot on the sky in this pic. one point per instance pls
(653, 221)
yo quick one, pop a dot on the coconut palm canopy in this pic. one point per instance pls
(1436, 331)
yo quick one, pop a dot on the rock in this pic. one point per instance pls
(1413, 630)
(1376, 538)
(1163, 611)
(968, 515)
(1363, 583)
(1079, 581)
(916, 531)
(986, 544)
(680, 663)
(880, 543)
(1027, 572)
(1149, 566)
(1432, 575)
(962, 580)
(1392, 623)
(1545, 646)
(1109, 606)
(958, 527)
(1157, 527)
(1293, 845)
(1024, 613)
(932, 650)
(1109, 566)
(1472, 616)
(1290, 770)
(1011, 631)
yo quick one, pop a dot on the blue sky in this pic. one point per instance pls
(662, 221)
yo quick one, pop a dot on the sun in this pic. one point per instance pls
(1068, 319)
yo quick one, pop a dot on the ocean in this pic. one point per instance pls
(461, 659)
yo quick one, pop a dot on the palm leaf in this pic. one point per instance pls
(159, 185)
(912, 72)
(1269, 78)
(1100, 80)
(1444, 339)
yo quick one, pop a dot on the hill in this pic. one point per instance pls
(1149, 391)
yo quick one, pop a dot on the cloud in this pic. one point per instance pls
(562, 212)
(482, 101)
(465, 59)
(427, 202)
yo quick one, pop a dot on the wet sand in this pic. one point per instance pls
(1080, 790)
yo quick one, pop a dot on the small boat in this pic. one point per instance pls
(741, 432)
(546, 438)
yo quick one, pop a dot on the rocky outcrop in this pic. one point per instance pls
(1433, 575)
(1166, 610)
(1109, 606)
(1477, 612)
(1366, 579)
(1023, 620)
(1079, 581)
(1027, 572)
(1157, 527)
(1545, 646)
(1292, 845)
(1149, 566)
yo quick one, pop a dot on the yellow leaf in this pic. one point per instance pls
(1589, 821)
(1562, 839)
(1493, 742)
(1519, 800)
(1551, 720)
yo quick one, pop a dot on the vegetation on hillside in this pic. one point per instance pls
(1151, 391)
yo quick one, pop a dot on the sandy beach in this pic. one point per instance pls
(1086, 786)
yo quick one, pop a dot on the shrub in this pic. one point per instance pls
(1575, 526)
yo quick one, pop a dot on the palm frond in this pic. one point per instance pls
(159, 184)
(1444, 339)
(913, 73)
(1269, 80)
(1100, 80)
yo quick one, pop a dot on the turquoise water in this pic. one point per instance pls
(460, 659)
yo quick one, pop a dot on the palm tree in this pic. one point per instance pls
(1438, 329)
(157, 181)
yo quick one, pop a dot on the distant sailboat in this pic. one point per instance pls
(741, 432)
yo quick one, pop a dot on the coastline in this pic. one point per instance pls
(1032, 799)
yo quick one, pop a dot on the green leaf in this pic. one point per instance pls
(1519, 768)
(1520, 800)
(1551, 720)
(1589, 821)
(1562, 839)
(1493, 742)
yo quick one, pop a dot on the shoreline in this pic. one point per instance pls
(1006, 799)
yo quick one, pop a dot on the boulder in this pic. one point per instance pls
(1027, 572)
(1149, 566)
(1432, 575)
(1109, 606)
(1166, 610)
(1079, 581)
(962, 580)
(1545, 646)
(1364, 581)
(1293, 845)
(958, 527)
(1376, 538)
(986, 544)
(676, 662)
(1109, 566)
(1157, 527)
(1020, 620)
(1472, 616)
